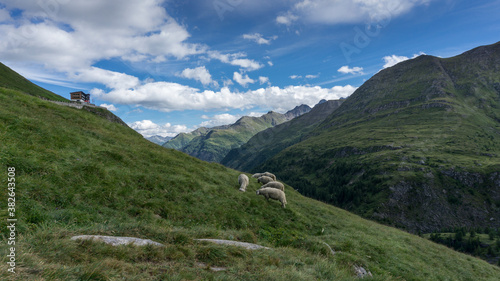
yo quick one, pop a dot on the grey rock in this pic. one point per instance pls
(248, 246)
(116, 241)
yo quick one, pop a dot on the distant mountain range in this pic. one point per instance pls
(416, 146)
(158, 139)
(212, 144)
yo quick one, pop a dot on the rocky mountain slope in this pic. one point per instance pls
(416, 146)
(212, 144)
(267, 143)
(76, 173)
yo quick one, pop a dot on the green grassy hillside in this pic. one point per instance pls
(77, 173)
(267, 143)
(11, 80)
(416, 146)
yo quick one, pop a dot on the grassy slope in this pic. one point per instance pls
(215, 143)
(77, 173)
(269, 142)
(12, 80)
(417, 145)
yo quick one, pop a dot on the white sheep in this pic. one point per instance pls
(257, 175)
(275, 184)
(243, 181)
(267, 174)
(273, 193)
(271, 175)
(264, 179)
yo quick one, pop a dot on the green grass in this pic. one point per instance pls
(77, 173)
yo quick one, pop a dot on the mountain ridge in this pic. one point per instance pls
(212, 144)
(410, 146)
(266, 143)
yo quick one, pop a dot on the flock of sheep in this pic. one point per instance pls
(270, 187)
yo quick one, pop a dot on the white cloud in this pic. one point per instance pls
(270, 63)
(346, 69)
(167, 96)
(308, 76)
(148, 128)
(263, 80)
(242, 80)
(236, 59)
(394, 59)
(199, 74)
(110, 107)
(286, 19)
(349, 11)
(220, 119)
(74, 35)
(257, 38)
(111, 79)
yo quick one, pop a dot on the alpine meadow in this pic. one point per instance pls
(83, 172)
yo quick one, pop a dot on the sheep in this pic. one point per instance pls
(273, 193)
(257, 175)
(275, 184)
(264, 179)
(243, 181)
(271, 175)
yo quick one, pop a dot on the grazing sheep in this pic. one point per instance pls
(257, 175)
(264, 179)
(273, 193)
(267, 174)
(271, 175)
(243, 181)
(275, 184)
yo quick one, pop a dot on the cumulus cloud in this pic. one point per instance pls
(346, 69)
(167, 96)
(199, 74)
(264, 80)
(71, 35)
(242, 80)
(394, 59)
(295, 76)
(257, 38)
(219, 119)
(148, 128)
(348, 11)
(110, 107)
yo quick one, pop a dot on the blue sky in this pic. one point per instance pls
(167, 67)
